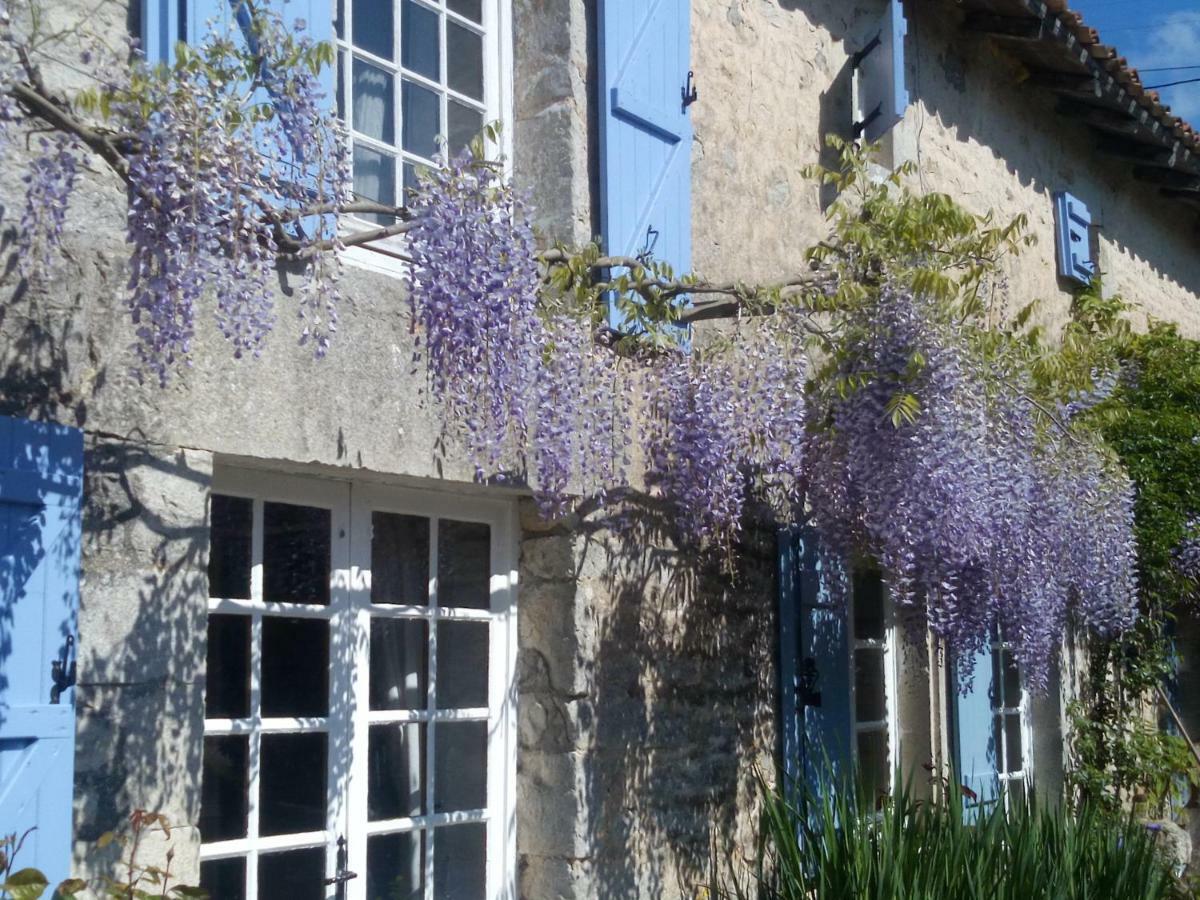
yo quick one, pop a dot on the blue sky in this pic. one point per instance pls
(1154, 34)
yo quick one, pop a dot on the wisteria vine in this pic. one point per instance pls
(979, 513)
(221, 167)
(976, 513)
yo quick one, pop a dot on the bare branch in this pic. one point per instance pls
(44, 107)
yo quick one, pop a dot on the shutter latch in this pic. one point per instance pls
(689, 92)
(809, 695)
(62, 671)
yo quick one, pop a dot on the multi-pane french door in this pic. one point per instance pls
(360, 701)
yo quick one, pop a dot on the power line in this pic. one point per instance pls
(1168, 69)
(1155, 87)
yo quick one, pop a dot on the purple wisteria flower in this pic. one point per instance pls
(975, 514)
(1187, 554)
(49, 182)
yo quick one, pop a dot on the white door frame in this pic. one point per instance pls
(349, 612)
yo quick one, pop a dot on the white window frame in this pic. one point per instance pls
(349, 612)
(1023, 776)
(889, 725)
(388, 256)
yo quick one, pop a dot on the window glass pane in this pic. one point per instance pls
(341, 85)
(472, 9)
(296, 546)
(464, 61)
(294, 874)
(874, 770)
(292, 784)
(395, 866)
(465, 123)
(462, 680)
(411, 181)
(399, 555)
(229, 547)
(399, 654)
(374, 102)
(227, 682)
(396, 771)
(422, 119)
(295, 667)
(223, 788)
(868, 607)
(225, 878)
(419, 41)
(1012, 739)
(374, 179)
(373, 26)
(459, 854)
(460, 766)
(870, 689)
(464, 564)
(1012, 679)
(339, 19)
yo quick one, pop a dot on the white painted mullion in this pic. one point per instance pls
(397, 98)
(254, 739)
(255, 751)
(891, 686)
(444, 79)
(431, 704)
(357, 696)
(498, 92)
(501, 755)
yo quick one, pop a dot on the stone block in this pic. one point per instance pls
(552, 805)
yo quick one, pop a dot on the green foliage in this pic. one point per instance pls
(136, 880)
(925, 241)
(885, 232)
(909, 849)
(1153, 423)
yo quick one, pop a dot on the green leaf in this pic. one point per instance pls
(25, 884)
(183, 890)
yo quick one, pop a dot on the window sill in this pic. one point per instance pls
(385, 256)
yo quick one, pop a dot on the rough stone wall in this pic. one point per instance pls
(141, 652)
(647, 690)
(775, 77)
(647, 700)
(555, 123)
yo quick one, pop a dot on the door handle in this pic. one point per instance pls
(343, 874)
(809, 695)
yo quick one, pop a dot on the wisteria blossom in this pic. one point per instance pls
(9, 72)
(728, 428)
(473, 290)
(976, 515)
(49, 181)
(983, 509)
(219, 181)
(1187, 554)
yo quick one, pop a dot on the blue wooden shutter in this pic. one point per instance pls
(645, 132)
(41, 477)
(818, 727)
(1073, 238)
(163, 22)
(976, 753)
(880, 70)
(160, 30)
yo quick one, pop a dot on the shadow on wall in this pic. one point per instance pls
(974, 92)
(672, 711)
(142, 626)
(36, 330)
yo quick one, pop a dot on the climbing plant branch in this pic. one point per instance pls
(858, 394)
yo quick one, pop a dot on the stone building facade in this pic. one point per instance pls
(632, 697)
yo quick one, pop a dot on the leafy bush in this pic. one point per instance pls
(824, 847)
